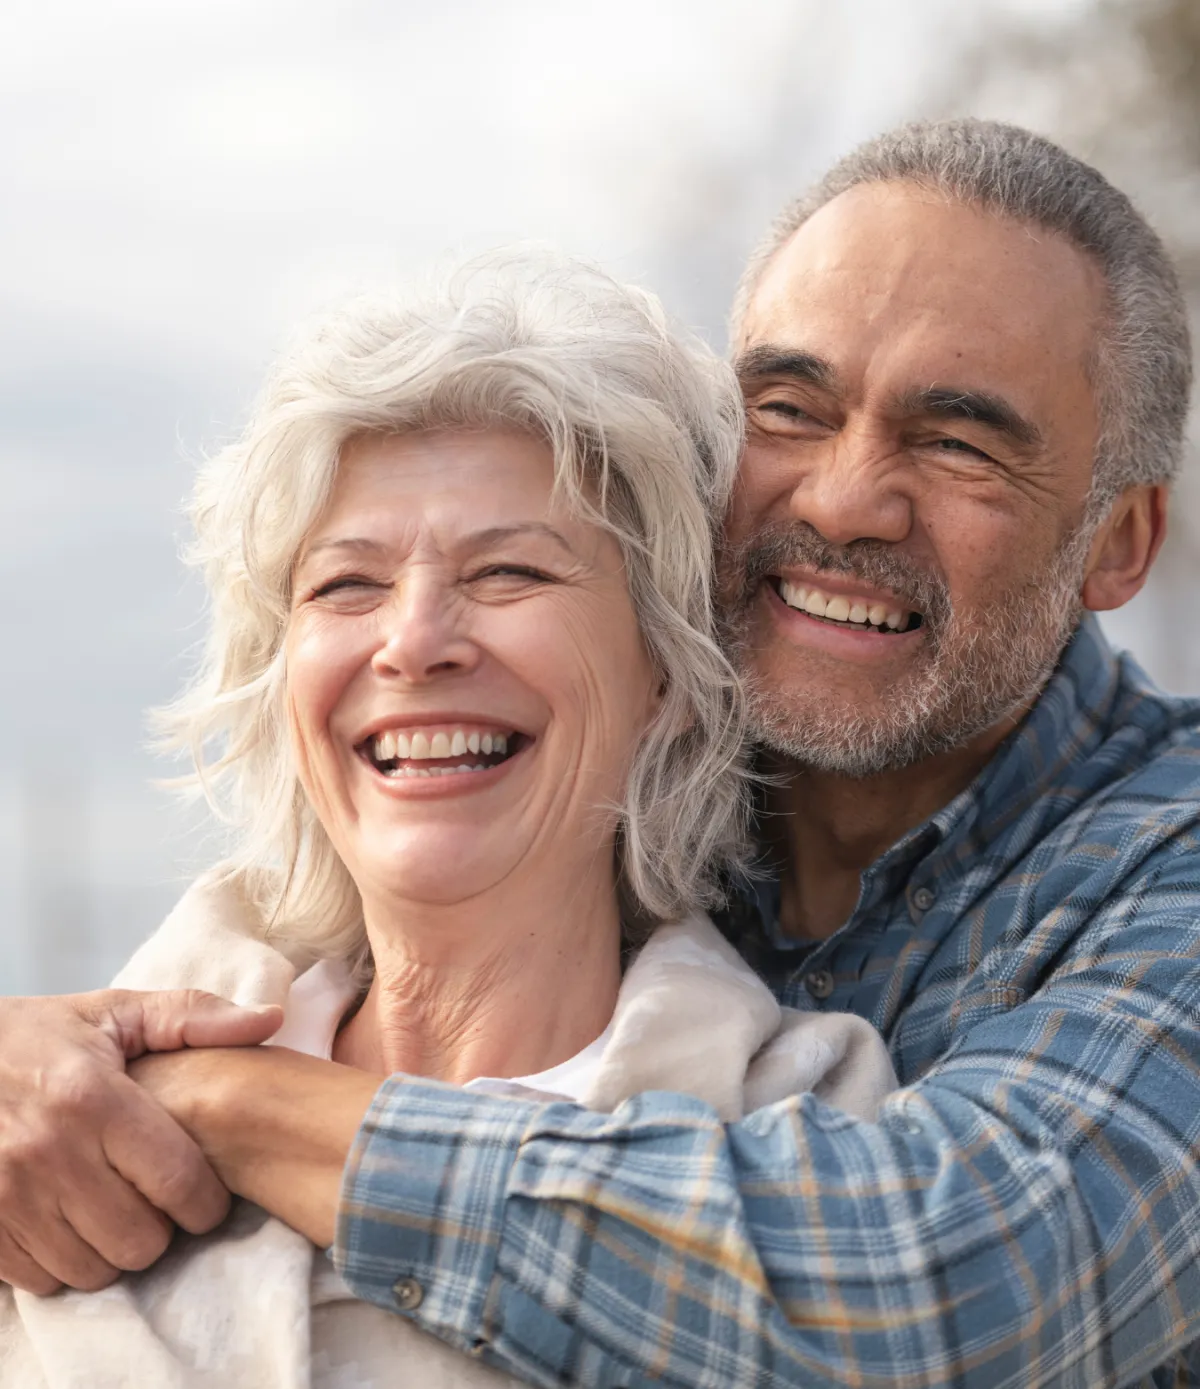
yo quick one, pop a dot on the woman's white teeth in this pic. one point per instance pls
(421, 747)
(839, 609)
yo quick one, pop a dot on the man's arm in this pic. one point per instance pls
(93, 1173)
(1028, 1214)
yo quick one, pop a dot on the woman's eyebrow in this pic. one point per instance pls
(494, 535)
(359, 543)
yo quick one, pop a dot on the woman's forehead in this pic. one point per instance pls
(454, 490)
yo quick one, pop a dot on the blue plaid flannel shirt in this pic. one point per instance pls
(1026, 1210)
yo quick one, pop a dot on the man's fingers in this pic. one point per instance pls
(54, 1247)
(119, 1223)
(175, 1018)
(154, 1154)
(22, 1271)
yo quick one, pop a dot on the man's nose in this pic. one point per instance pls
(423, 635)
(855, 488)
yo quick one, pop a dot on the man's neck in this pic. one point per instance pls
(825, 829)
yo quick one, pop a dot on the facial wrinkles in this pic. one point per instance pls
(972, 668)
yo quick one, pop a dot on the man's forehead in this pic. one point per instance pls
(897, 272)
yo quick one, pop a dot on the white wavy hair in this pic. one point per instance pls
(645, 425)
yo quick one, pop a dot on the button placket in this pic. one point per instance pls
(819, 983)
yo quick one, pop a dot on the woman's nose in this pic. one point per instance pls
(423, 636)
(854, 489)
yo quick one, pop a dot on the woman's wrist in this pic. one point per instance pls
(276, 1126)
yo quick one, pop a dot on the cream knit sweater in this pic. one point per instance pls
(254, 1306)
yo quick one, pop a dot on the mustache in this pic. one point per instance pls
(872, 562)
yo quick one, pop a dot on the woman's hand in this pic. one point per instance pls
(275, 1125)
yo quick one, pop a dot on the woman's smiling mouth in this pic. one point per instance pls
(439, 750)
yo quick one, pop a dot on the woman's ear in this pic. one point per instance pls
(1125, 547)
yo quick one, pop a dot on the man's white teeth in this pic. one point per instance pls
(421, 747)
(839, 609)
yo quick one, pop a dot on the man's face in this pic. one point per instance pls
(904, 554)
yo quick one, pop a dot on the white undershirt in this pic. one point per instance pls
(318, 1000)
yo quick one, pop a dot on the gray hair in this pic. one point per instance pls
(1143, 364)
(645, 425)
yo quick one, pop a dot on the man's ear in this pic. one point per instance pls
(1124, 547)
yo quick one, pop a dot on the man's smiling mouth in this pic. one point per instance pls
(440, 750)
(855, 614)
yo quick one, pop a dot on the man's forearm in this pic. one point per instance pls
(276, 1126)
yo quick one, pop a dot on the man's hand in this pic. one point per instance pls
(93, 1171)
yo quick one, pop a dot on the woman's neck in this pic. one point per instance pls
(506, 984)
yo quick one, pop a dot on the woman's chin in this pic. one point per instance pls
(441, 870)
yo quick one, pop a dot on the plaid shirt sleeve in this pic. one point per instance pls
(1027, 1213)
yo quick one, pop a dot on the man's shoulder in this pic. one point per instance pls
(1146, 767)
(1135, 798)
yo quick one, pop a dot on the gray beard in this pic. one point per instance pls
(973, 670)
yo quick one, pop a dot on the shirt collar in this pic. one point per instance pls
(1068, 722)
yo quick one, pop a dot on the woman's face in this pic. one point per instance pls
(466, 678)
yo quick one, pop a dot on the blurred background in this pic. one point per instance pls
(182, 182)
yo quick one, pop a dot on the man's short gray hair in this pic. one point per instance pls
(1143, 364)
(645, 425)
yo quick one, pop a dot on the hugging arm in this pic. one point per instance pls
(1027, 1214)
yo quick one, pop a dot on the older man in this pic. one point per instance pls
(966, 370)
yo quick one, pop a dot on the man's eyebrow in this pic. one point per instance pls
(978, 407)
(768, 360)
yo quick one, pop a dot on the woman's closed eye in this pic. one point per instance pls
(526, 573)
(344, 583)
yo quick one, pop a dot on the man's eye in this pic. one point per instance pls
(786, 408)
(951, 445)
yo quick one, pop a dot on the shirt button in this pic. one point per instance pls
(923, 899)
(819, 983)
(409, 1294)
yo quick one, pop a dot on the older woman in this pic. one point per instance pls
(463, 704)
